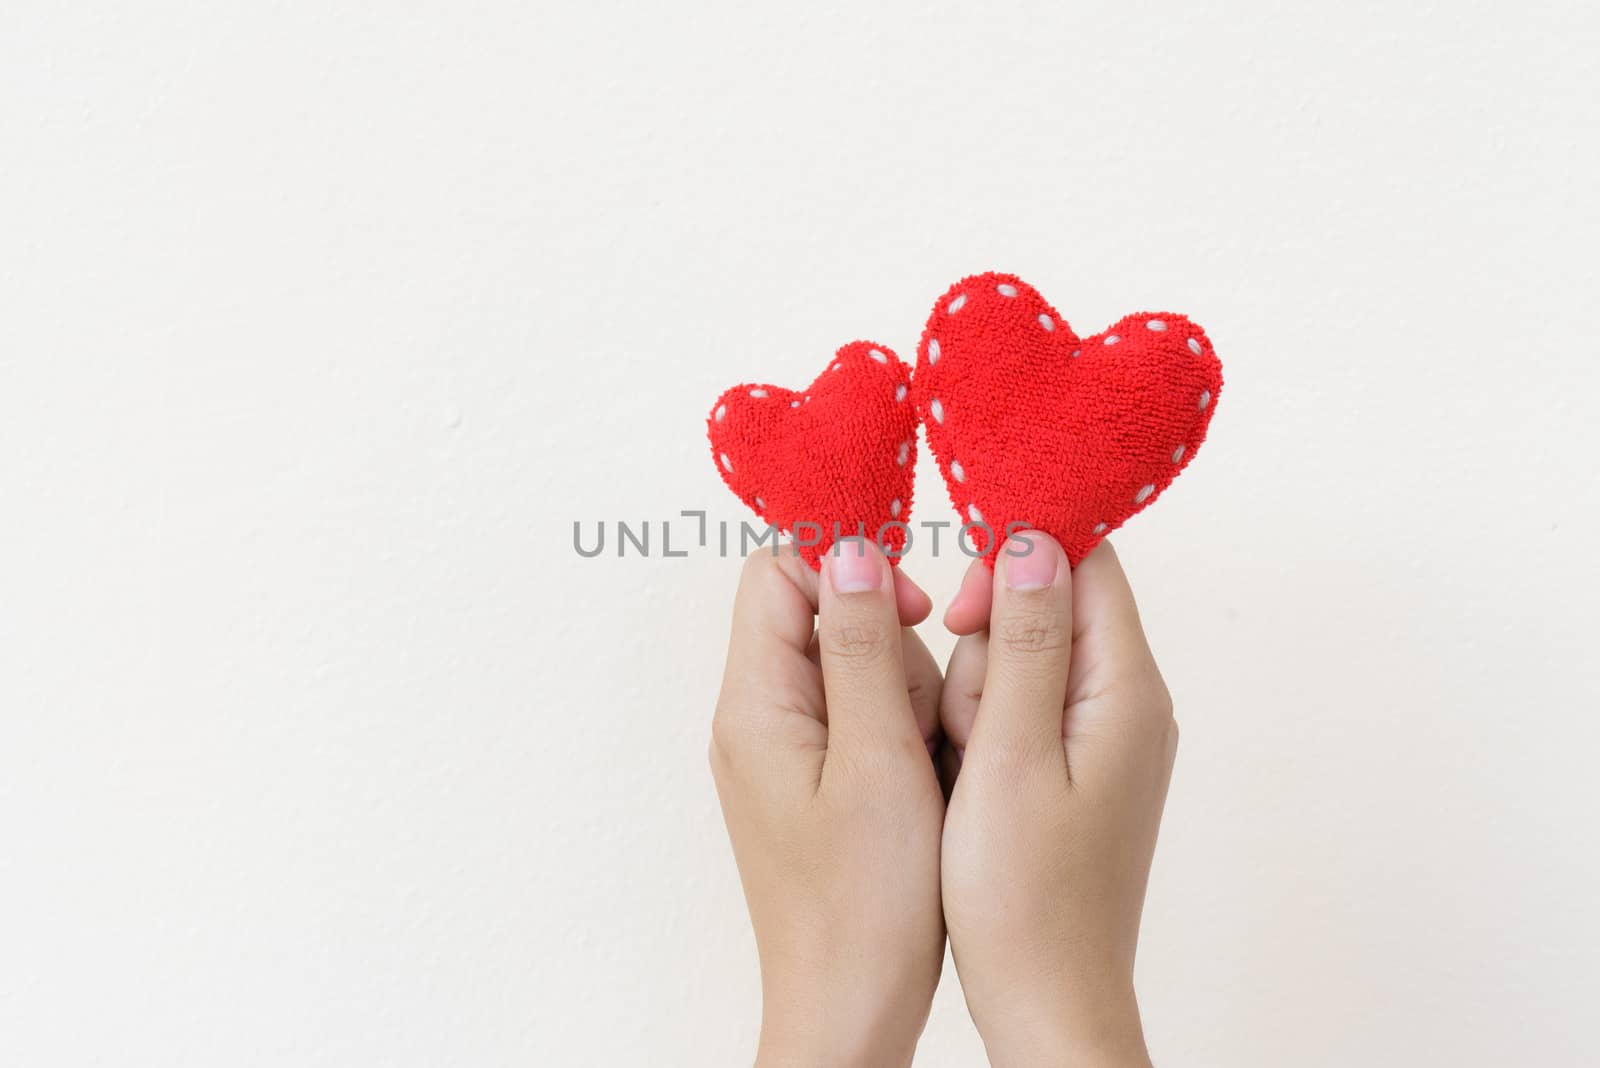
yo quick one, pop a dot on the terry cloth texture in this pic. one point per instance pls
(1034, 426)
(836, 459)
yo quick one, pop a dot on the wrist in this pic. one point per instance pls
(1110, 1035)
(828, 1024)
(1043, 1051)
(815, 1044)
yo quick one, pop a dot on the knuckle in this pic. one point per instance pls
(755, 566)
(1150, 698)
(1162, 698)
(1034, 634)
(1159, 707)
(723, 746)
(1151, 717)
(855, 641)
(1152, 725)
(922, 693)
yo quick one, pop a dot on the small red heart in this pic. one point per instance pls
(1033, 426)
(836, 459)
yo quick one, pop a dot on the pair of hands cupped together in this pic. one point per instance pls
(875, 806)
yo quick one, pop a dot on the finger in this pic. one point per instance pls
(968, 611)
(769, 725)
(1120, 712)
(1030, 649)
(924, 684)
(773, 613)
(767, 619)
(913, 603)
(1110, 652)
(863, 674)
(963, 688)
(924, 681)
(753, 608)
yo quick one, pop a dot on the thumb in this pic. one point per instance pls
(1030, 649)
(863, 670)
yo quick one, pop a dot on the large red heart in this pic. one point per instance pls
(1034, 426)
(836, 459)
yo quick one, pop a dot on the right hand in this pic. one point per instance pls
(1066, 741)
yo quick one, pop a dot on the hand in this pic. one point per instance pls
(1066, 741)
(820, 749)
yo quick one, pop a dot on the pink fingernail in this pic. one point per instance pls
(1031, 561)
(855, 566)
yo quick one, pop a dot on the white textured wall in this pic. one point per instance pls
(320, 324)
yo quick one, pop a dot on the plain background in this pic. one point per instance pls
(322, 323)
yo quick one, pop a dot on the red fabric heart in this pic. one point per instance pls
(837, 459)
(1033, 426)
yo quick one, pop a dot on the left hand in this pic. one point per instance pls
(820, 751)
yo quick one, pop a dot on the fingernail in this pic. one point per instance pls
(1031, 561)
(855, 566)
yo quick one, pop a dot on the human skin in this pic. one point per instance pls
(1066, 742)
(1060, 743)
(820, 751)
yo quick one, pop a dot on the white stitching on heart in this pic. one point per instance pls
(936, 407)
(904, 454)
(880, 357)
(894, 508)
(727, 463)
(900, 393)
(761, 505)
(758, 393)
(794, 404)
